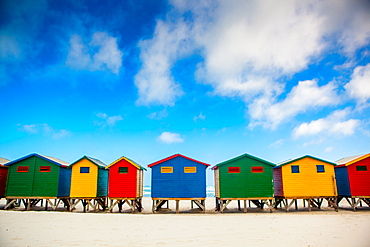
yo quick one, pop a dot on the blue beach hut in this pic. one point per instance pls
(178, 178)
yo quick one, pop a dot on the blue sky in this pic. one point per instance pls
(207, 79)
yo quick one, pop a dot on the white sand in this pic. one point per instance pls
(256, 228)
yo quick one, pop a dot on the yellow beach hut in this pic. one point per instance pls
(89, 183)
(308, 178)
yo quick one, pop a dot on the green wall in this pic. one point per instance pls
(245, 184)
(32, 183)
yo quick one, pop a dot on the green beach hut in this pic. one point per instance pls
(35, 177)
(246, 178)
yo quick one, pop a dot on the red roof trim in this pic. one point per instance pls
(173, 156)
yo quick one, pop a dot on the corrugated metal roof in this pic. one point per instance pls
(55, 160)
(242, 156)
(305, 156)
(174, 156)
(96, 162)
(3, 161)
(50, 159)
(128, 160)
(347, 159)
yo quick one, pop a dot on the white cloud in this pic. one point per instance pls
(158, 115)
(101, 54)
(337, 123)
(107, 120)
(306, 95)
(200, 117)
(277, 143)
(154, 81)
(250, 48)
(44, 129)
(168, 138)
(359, 86)
(329, 149)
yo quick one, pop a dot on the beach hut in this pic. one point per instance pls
(178, 178)
(246, 178)
(308, 178)
(35, 177)
(89, 183)
(3, 176)
(125, 184)
(353, 179)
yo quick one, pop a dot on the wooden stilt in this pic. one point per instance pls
(177, 206)
(245, 206)
(239, 205)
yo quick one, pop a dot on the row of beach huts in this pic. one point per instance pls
(36, 178)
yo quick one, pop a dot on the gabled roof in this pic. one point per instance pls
(174, 156)
(129, 161)
(305, 156)
(242, 156)
(3, 161)
(93, 160)
(353, 159)
(55, 161)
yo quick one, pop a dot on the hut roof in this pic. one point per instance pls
(97, 162)
(3, 161)
(174, 156)
(305, 156)
(242, 156)
(352, 159)
(129, 161)
(56, 161)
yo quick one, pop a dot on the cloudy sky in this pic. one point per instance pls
(211, 79)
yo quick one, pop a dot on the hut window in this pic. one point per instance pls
(45, 168)
(166, 169)
(320, 168)
(22, 169)
(84, 169)
(361, 168)
(257, 169)
(123, 170)
(234, 169)
(295, 169)
(191, 169)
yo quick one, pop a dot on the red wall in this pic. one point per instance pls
(124, 184)
(359, 180)
(278, 182)
(3, 177)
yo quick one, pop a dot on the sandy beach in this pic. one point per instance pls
(189, 228)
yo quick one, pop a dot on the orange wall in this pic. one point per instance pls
(309, 183)
(84, 184)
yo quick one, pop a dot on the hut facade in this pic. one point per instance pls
(89, 183)
(353, 179)
(125, 184)
(246, 178)
(308, 178)
(35, 177)
(178, 178)
(3, 176)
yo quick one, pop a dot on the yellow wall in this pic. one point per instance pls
(308, 182)
(84, 184)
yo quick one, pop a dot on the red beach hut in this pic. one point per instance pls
(125, 183)
(353, 179)
(3, 176)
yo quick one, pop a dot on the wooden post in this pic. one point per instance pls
(296, 204)
(239, 205)
(177, 206)
(46, 205)
(309, 205)
(245, 206)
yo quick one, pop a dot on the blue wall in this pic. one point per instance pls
(179, 184)
(341, 175)
(64, 182)
(102, 182)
